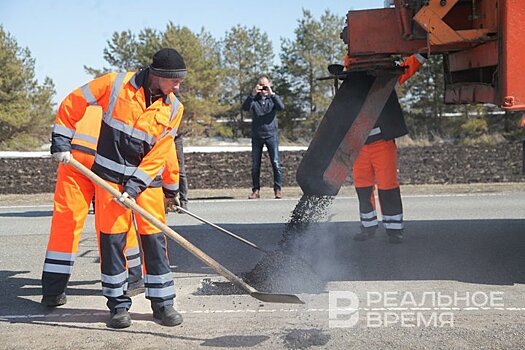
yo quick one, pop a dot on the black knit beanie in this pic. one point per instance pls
(168, 63)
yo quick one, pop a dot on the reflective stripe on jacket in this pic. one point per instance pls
(86, 137)
(134, 140)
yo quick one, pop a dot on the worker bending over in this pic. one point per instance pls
(141, 117)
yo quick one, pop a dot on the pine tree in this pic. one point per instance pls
(305, 58)
(247, 53)
(200, 90)
(26, 108)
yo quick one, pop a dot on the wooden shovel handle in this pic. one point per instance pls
(221, 270)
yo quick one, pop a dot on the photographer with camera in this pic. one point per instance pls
(264, 104)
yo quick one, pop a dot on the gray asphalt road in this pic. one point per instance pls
(457, 281)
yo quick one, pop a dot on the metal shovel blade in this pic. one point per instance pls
(277, 298)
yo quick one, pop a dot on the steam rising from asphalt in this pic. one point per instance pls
(306, 250)
(306, 258)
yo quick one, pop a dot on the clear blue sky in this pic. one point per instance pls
(65, 35)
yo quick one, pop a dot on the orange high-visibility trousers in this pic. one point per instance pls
(114, 221)
(73, 195)
(376, 164)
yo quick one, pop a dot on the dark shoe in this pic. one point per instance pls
(168, 316)
(135, 288)
(395, 236)
(120, 318)
(364, 235)
(255, 195)
(54, 300)
(278, 194)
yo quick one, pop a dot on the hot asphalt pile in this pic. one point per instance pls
(305, 338)
(288, 269)
(209, 287)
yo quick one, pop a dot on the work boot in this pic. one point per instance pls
(365, 234)
(135, 288)
(120, 318)
(255, 195)
(168, 316)
(278, 194)
(395, 236)
(54, 300)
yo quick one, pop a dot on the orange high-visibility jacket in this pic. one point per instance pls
(134, 140)
(85, 140)
(170, 175)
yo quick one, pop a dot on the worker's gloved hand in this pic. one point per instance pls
(63, 157)
(121, 200)
(171, 204)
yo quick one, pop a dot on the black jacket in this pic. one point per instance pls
(391, 122)
(264, 111)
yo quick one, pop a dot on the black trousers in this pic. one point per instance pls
(183, 180)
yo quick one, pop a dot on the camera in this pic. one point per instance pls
(264, 87)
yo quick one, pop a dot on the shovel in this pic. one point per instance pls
(221, 270)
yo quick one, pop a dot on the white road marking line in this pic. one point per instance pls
(50, 206)
(338, 198)
(237, 311)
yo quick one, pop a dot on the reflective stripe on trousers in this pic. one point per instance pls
(114, 220)
(73, 195)
(376, 164)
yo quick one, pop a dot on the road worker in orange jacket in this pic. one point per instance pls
(73, 193)
(141, 117)
(376, 164)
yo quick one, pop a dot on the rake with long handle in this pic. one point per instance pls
(231, 234)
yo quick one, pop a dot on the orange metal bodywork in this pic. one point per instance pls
(483, 47)
(379, 32)
(512, 54)
(432, 19)
(481, 40)
(481, 62)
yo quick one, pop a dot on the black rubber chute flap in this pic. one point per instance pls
(334, 142)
